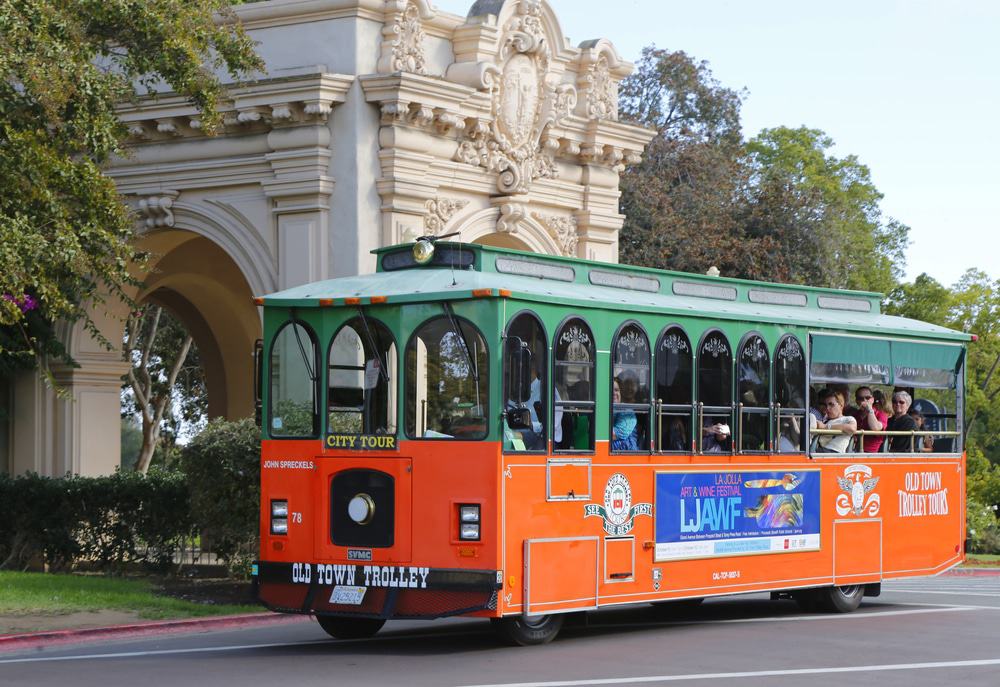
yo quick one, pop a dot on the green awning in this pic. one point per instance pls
(929, 356)
(855, 350)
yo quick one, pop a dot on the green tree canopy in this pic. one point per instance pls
(65, 235)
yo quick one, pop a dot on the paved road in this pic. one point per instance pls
(928, 632)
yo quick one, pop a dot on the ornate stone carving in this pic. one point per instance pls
(406, 40)
(511, 215)
(439, 211)
(602, 91)
(562, 228)
(525, 104)
(157, 210)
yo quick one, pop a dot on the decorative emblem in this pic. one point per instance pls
(561, 228)
(632, 346)
(754, 349)
(617, 512)
(790, 349)
(526, 104)
(602, 95)
(406, 38)
(675, 343)
(858, 483)
(715, 346)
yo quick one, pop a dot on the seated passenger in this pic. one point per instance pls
(716, 436)
(901, 422)
(870, 416)
(625, 433)
(833, 402)
(924, 444)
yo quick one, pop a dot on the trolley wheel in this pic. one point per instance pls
(343, 627)
(528, 630)
(841, 599)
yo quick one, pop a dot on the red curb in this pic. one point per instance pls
(974, 572)
(31, 640)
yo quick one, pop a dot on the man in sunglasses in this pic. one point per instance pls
(869, 416)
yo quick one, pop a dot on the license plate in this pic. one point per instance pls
(348, 596)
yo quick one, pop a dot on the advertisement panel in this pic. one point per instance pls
(733, 513)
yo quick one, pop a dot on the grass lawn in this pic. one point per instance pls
(47, 594)
(973, 560)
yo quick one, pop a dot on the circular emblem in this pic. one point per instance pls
(617, 499)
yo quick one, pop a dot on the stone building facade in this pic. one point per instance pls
(377, 121)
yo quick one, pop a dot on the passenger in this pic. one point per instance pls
(845, 393)
(532, 439)
(626, 425)
(870, 416)
(901, 422)
(925, 443)
(715, 437)
(814, 408)
(833, 401)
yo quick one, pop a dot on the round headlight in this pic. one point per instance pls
(361, 509)
(423, 251)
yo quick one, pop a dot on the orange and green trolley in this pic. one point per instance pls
(484, 432)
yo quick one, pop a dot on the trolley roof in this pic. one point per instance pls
(460, 271)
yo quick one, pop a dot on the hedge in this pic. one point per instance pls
(107, 523)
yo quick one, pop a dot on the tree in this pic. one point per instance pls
(682, 202)
(65, 235)
(822, 212)
(165, 386)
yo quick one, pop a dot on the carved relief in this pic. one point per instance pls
(406, 41)
(602, 92)
(157, 210)
(563, 229)
(525, 104)
(439, 211)
(511, 215)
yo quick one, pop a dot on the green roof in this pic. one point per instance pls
(583, 283)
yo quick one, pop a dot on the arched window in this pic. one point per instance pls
(361, 379)
(573, 394)
(524, 384)
(293, 410)
(715, 393)
(447, 381)
(754, 394)
(790, 395)
(630, 390)
(674, 390)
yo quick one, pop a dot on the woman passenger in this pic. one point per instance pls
(626, 425)
(833, 402)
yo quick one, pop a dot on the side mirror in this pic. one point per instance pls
(258, 380)
(518, 370)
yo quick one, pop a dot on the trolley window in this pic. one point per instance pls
(789, 395)
(293, 364)
(361, 374)
(754, 394)
(630, 390)
(524, 384)
(447, 381)
(674, 391)
(715, 393)
(573, 397)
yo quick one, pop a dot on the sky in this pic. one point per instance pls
(911, 88)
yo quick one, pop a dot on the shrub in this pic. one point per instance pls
(982, 528)
(222, 465)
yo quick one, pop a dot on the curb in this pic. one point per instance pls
(30, 640)
(973, 572)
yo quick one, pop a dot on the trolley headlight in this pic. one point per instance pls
(279, 517)
(469, 521)
(423, 251)
(361, 509)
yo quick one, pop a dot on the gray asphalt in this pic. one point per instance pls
(927, 632)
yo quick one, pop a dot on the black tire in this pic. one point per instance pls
(528, 630)
(343, 627)
(841, 599)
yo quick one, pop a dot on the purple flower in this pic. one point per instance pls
(26, 302)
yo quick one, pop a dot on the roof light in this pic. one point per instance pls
(482, 293)
(352, 301)
(326, 302)
(423, 251)
(258, 301)
(504, 293)
(379, 299)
